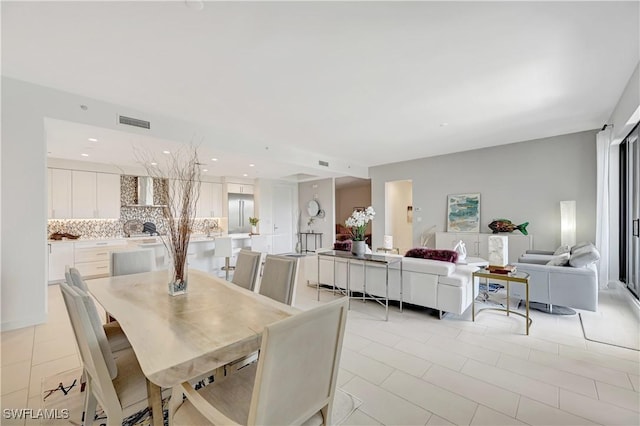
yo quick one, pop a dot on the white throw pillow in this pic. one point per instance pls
(584, 256)
(562, 250)
(561, 260)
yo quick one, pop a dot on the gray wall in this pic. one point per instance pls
(523, 182)
(323, 191)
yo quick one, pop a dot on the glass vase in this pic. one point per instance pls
(177, 279)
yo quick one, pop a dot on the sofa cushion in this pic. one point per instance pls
(434, 254)
(584, 256)
(457, 279)
(427, 266)
(561, 260)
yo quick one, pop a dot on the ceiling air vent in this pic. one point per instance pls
(134, 122)
(323, 163)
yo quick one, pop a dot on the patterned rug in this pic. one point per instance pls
(63, 396)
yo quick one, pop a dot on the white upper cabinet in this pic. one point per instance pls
(210, 200)
(84, 195)
(237, 188)
(75, 194)
(59, 194)
(108, 195)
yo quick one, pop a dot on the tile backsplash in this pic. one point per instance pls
(113, 228)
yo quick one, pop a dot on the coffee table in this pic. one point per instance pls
(518, 277)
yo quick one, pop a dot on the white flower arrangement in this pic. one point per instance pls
(358, 222)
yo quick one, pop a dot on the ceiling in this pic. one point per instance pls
(368, 82)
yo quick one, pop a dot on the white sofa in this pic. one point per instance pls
(434, 284)
(575, 287)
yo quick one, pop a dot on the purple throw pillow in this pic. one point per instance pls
(342, 245)
(433, 254)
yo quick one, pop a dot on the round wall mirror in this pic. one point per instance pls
(313, 208)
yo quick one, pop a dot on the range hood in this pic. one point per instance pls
(145, 191)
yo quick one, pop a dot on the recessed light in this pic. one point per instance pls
(93, 140)
(166, 152)
(245, 175)
(154, 163)
(444, 124)
(214, 159)
(85, 155)
(252, 165)
(205, 170)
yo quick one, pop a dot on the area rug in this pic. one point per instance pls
(617, 321)
(63, 396)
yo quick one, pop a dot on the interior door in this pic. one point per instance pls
(283, 219)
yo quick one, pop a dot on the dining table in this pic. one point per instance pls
(179, 338)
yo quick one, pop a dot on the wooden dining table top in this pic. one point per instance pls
(178, 338)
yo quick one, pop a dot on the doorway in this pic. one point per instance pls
(398, 206)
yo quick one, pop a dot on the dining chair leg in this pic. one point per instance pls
(326, 415)
(175, 402)
(90, 404)
(155, 402)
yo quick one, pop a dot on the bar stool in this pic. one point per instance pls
(224, 248)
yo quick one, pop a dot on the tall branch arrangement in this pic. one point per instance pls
(179, 173)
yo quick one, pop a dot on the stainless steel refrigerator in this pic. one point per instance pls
(240, 210)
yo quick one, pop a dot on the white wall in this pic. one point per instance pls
(522, 182)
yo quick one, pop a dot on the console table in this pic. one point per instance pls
(365, 259)
(316, 236)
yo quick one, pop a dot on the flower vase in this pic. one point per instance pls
(177, 279)
(254, 229)
(358, 248)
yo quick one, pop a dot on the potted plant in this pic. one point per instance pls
(357, 223)
(254, 225)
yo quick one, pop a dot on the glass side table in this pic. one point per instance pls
(517, 277)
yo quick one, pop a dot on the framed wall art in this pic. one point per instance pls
(463, 213)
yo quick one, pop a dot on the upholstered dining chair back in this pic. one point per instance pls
(96, 355)
(278, 278)
(294, 381)
(132, 261)
(74, 278)
(247, 269)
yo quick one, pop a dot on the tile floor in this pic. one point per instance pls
(415, 369)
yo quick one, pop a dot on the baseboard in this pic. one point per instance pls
(22, 323)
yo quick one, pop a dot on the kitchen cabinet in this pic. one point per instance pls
(95, 195)
(92, 258)
(477, 244)
(237, 188)
(59, 189)
(210, 200)
(61, 254)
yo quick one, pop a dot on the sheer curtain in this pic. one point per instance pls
(603, 147)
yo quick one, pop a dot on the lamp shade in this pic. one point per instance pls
(568, 223)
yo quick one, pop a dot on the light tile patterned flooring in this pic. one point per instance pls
(415, 369)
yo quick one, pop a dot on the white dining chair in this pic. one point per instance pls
(247, 269)
(294, 380)
(128, 262)
(115, 336)
(279, 278)
(115, 381)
